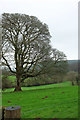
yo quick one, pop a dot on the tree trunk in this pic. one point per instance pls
(72, 83)
(18, 86)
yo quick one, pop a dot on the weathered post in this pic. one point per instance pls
(12, 112)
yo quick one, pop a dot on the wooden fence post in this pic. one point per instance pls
(12, 112)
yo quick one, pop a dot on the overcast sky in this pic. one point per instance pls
(61, 16)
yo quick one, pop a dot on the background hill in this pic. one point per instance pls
(73, 65)
(72, 61)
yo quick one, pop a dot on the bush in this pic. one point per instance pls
(71, 76)
(6, 83)
(41, 80)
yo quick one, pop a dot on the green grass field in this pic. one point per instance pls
(61, 101)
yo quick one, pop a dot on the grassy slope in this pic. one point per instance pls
(62, 102)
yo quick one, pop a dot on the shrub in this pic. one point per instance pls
(6, 83)
(71, 76)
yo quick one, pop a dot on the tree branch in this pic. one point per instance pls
(7, 64)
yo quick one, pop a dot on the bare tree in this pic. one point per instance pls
(58, 63)
(26, 49)
(25, 44)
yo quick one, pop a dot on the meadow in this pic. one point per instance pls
(45, 101)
